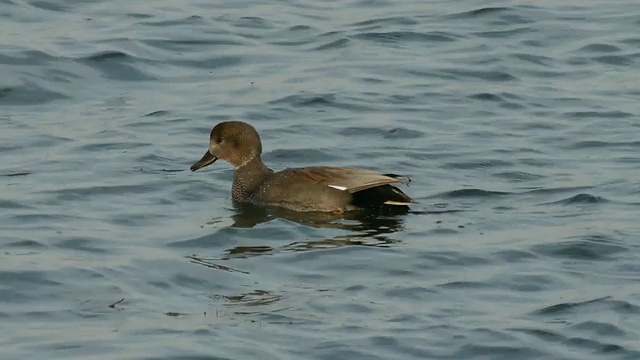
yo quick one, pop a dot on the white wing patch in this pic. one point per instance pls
(390, 202)
(338, 187)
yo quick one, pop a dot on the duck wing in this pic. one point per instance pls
(346, 179)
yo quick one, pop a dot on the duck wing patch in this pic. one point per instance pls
(345, 179)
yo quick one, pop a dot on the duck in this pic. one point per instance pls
(307, 189)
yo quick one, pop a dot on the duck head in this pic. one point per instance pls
(235, 142)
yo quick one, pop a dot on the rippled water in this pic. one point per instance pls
(516, 120)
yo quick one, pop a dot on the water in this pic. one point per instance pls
(517, 122)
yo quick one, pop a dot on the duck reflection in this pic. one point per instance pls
(253, 298)
(263, 303)
(366, 228)
(376, 221)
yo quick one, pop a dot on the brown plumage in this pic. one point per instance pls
(325, 189)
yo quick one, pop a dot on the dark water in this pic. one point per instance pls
(517, 121)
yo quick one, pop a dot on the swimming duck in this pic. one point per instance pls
(308, 189)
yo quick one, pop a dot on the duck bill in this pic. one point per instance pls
(207, 159)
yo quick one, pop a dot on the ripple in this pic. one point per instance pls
(583, 199)
(393, 133)
(242, 252)
(466, 285)
(534, 59)
(337, 44)
(486, 11)
(417, 293)
(9, 296)
(587, 144)
(542, 334)
(589, 247)
(158, 113)
(339, 350)
(211, 63)
(253, 22)
(81, 244)
(156, 124)
(7, 204)
(599, 328)
(562, 308)
(29, 93)
(503, 33)
(253, 298)
(387, 21)
(302, 155)
(595, 346)
(599, 114)
(191, 44)
(497, 76)
(338, 242)
(306, 100)
(477, 164)
(99, 147)
(464, 193)
(41, 217)
(559, 190)
(450, 258)
(108, 55)
(26, 244)
(222, 238)
(209, 263)
(514, 255)
(405, 36)
(190, 20)
(136, 219)
(105, 190)
(496, 351)
(518, 176)
(300, 28)
(607, 48)
(138, 15)
(442, 231)
(324, 100)
(20, 279)
(117, 65)
(48, 5)
(620, 60)
(27, 57)
(579, 199)
(486, 97)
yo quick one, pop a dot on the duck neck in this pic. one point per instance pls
(248, 178)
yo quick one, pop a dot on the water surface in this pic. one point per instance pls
(517, 122)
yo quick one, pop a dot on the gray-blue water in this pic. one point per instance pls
(518, 122)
